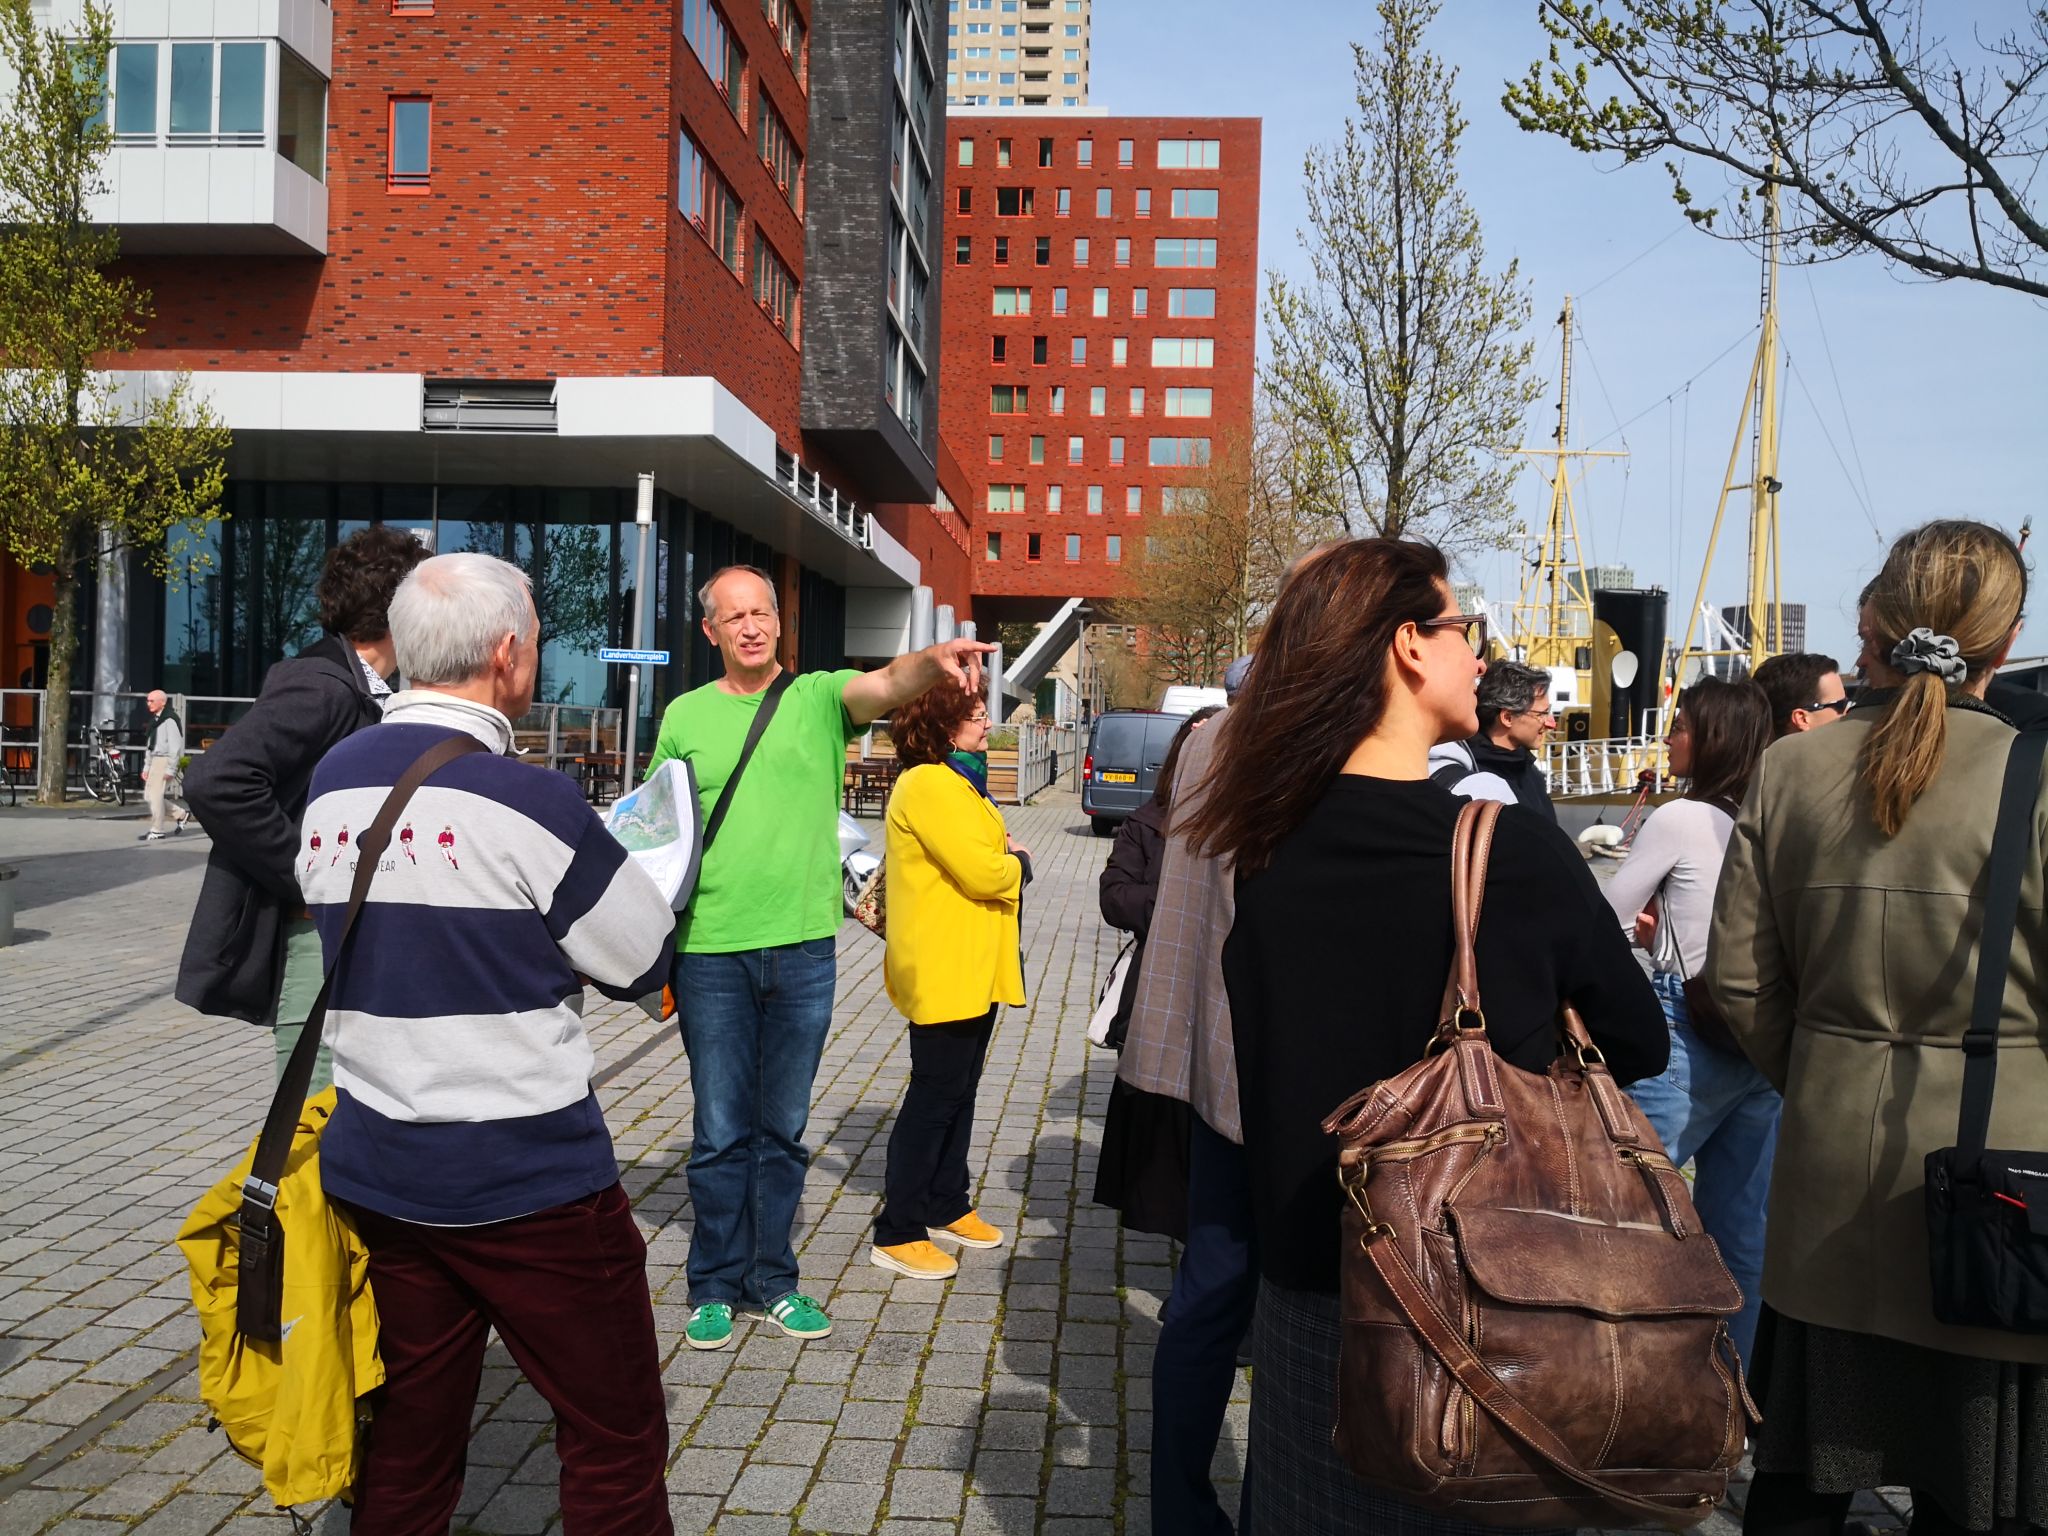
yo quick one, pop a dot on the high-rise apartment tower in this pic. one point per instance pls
(1017, 55)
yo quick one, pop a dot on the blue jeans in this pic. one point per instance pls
(1716, 1111)
(1205, 1321)
(754, 1025)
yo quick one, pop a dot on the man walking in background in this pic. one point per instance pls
(757, 957)
(1805, 690)
(1500, 762)
(160, 764)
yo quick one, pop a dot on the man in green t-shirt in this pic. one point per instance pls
(755, 963)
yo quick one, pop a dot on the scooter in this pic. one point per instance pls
(856, 864)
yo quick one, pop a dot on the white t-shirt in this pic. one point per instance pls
(1677, 858)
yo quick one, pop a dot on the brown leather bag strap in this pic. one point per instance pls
(1471, 844)
(1490, 1392)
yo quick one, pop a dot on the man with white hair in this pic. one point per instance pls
(756, 956)
(160, 764)
(465, 1137)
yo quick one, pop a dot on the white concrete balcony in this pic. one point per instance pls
(212, 198)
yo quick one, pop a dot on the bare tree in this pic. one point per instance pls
(1885, 137)
(1401, 354)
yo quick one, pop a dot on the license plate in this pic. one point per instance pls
(1119, 778)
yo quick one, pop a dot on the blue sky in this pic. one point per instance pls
(1945, 385)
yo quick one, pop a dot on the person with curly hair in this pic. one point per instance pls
(252, 952)
(956, 879)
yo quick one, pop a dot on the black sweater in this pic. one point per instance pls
(1336, 970)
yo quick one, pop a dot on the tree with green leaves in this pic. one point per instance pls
(1882, 135)
(1400, 354)
(91, 466)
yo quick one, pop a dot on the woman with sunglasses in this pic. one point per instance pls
(1710, 1107)
(1336, 963)
(955, 880)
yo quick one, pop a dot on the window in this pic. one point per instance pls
(1194, 202)
(301, 115)
(1126, 153)
(1015, 202)
(1183, 352)
(1123, 253)
(1064, 203)
(1045, 152)
(1073, 547)
(1052, 498)
(1009, 399)
(1059, 399)
(1191, 303)
(1084, 152)
(1080, 354)
(135, 90)
(1098, 401)
(1037, 449)
(191, 90)
(1011, 301)
(1002, 243)
(1074, 450)
(775, 287)
(1095, 501)
(1113, 549)
(1100, 304)
(1134, 501)
(409, 170)
(1138, 400)
(1081, 251)
(1059, 301)
(1031, 543)
(1116, 451)
(705, 30)
(777, 147)
(788, 27)
(1189, 154)
(967, 148)
(995, 448)
(999, 349)
(1119, 351)
(1103, 202)
(1006, 498)
(1188, 402)
(995, 547)
(1183, 253)
(963, 250)
(1003, 153)
(1144, 202)
(1038, 357)
(965, 202)
(1179, 452)
(1141, 302)
(1041, 251)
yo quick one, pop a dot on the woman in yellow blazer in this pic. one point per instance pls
(955, 879)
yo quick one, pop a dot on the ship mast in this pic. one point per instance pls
(1553, 620)
(1758, 422)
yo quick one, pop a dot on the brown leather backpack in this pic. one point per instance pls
(1534, 1322)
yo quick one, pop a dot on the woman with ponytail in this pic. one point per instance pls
(1843, 955)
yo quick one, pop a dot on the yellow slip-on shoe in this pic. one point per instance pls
(920, 1261)
(970, 1231)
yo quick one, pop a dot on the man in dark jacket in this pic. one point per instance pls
(252, 952)
(1500, 762)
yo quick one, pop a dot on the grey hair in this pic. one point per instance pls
(1508, 688)
(704, 592)
(451, 611)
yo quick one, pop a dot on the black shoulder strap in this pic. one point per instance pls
(256, 1313)
(2011, 842)
(762, 716)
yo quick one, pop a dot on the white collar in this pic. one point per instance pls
(426, 706)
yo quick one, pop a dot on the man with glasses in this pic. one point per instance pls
(1514, 720)
(1805, 690)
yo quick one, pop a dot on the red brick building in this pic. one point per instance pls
(470, 267)
(1101, 282)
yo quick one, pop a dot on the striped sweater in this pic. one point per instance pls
(459, 1053)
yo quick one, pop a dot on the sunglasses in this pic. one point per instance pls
(1474, 625)
(1839, 706)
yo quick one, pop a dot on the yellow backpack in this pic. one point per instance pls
(290, 1408)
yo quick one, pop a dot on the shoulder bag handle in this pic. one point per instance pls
(1471, 844)
(256, 1301)
(2011, 840)
(762, 716)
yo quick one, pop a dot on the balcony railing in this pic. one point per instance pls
(822, 500)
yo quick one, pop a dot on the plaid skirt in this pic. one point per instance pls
(1299, 1485)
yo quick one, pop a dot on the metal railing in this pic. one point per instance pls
(125, 717)
(1614, 765)
(823, 500)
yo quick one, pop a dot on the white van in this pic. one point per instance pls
(1185, 699)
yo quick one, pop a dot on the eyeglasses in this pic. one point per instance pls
(1474, 625)
(1839, 706)
(978, 719)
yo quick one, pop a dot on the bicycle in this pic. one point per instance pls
(102, 773)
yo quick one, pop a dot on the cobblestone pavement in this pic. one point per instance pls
(1011, 1401)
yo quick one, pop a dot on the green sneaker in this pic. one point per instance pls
(710, 1326)
(799, 1316)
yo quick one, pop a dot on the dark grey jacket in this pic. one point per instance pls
(249, 791)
